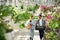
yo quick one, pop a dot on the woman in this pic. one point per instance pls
(32, 24)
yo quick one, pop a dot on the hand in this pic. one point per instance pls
(31, 25)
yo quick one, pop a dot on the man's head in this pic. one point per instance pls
(40, 16)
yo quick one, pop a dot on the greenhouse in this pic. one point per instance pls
(18, 19)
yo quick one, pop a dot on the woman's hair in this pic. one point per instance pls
(31, 16)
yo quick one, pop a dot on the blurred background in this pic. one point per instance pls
(14, 15)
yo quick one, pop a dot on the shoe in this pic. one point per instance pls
(31, 38)
(40, 39)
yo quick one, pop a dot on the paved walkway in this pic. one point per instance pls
(22, 34)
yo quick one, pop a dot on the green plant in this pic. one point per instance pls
(30, 8)
(22, 6)
(2, 32)
(4, 12)
(55, 23)
(22, 17)
(22, 25)
(52, 36)
(33, 8)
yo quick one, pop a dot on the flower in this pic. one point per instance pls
(49, 16)
(45, 8)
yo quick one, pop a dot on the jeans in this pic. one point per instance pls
(41, 33)
(32, 33)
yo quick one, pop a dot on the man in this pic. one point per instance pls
(41, 23)
(41, 26)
